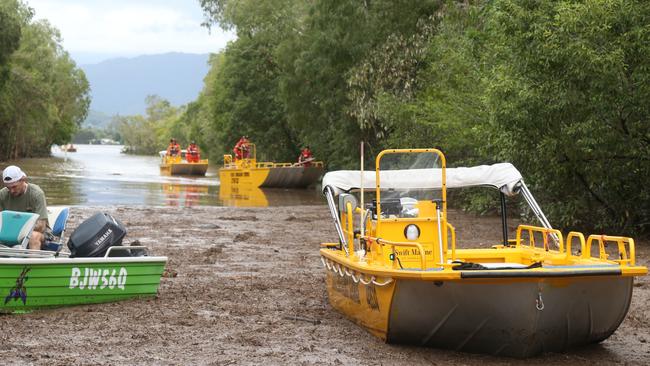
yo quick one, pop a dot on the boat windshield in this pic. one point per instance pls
(407, 177)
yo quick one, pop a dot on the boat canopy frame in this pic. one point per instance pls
(501, 176)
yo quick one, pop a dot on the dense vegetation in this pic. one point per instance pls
(559, 88)
(43, 95)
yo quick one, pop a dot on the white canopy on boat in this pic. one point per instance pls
(503, 176)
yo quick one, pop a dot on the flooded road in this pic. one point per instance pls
(100, 175)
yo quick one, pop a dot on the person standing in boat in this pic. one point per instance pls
(242, 148)
(19, 195)
(193, 155)
(305, 158)
(174, 149)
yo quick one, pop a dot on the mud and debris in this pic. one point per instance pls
(246, 287)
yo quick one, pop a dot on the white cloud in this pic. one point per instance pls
(129, 28)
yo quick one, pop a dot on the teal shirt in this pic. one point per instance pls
(33, 200)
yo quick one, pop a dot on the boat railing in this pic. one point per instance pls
(452, 230)
(6, 252)
(230, 164)
(625, 246)
(269, 164)
(625, 256)
(348, 229)
(548, 235)
(569, 244)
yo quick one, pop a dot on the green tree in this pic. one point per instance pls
(568, 103)
(146, 135)
(45, 97)
(9, 39)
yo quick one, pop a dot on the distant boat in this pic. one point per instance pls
(250, 173)
(178, 165)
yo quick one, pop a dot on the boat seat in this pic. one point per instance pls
(16, 228)
(58, 219)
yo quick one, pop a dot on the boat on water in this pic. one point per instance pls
(97, 270)
(396, 269)
(250, 173)
(178, 165)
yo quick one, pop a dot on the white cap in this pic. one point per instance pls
(12, 174)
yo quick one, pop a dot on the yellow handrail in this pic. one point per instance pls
(569, 240)
(393, 244)
(544, 231)
(453, 242)
(350, 231)
(253, 163)
(624, 259)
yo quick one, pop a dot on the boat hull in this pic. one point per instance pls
(516, 317)
(28, 284)
(509, 318)
(271, 177)
(184, 168)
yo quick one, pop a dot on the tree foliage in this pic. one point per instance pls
(150, 133)
(559, 88)
(568, 103)
(44, 96)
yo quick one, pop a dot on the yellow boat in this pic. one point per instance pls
(177, 165)
(400, 275)
(250, 173)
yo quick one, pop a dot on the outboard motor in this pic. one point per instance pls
(93, 237)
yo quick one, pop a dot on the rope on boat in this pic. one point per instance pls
(366, 282)
(326, 264)
(343, 271)
(340, 271)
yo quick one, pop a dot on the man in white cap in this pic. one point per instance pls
(18, 195)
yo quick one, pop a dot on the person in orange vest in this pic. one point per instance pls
(174, 149)
(305, 158)
(193, 155)
(242, 149)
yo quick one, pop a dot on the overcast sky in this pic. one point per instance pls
(95, 30)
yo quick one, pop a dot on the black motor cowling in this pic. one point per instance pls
(389, 206)
(93, 237)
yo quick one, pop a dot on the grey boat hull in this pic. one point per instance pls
(517, 318)
(292, 177)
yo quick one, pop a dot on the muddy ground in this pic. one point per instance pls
(248, 283)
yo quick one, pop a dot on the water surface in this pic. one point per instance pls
(100, 175)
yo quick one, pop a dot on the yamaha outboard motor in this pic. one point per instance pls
(93, 237)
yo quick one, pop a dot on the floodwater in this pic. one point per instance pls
(100, 175)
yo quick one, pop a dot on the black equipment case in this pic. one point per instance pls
(93, 237)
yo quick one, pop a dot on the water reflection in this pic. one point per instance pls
(187, 195)
(235, 196)
(256, 197)
(99, 175)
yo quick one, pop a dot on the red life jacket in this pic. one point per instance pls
(193, 150)
(174, 149)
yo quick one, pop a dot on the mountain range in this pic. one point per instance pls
(120, 85)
